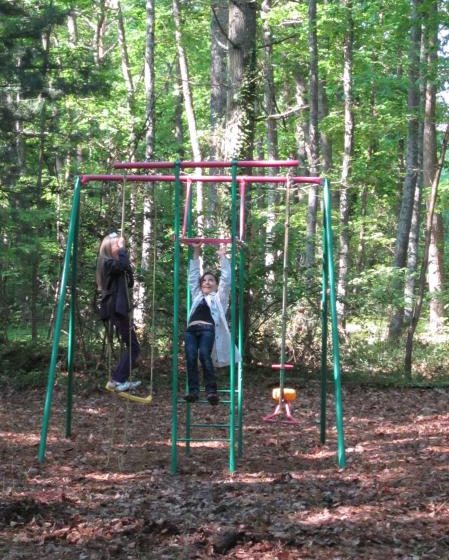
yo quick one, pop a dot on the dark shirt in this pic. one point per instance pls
(202, 313)
(118, 279)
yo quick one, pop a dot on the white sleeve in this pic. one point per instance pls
(224, 287)
(194, 276)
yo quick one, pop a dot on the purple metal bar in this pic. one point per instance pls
(204, 164)
(186, 207)
(205, 179)
(242, 209)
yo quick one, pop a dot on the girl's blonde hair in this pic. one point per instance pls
(104, 253)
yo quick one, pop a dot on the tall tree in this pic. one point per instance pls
(218, 73)
(348, 143)
(436, 249)
(411, 176)
(148, 211)
(189, 108)
(271, 125)
(241, 99)
(149, 73)
(219, 84)
(240, 123)
(313, 137)
(416, 313)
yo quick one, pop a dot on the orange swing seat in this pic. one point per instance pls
(289, 394)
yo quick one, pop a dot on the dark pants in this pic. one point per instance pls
(199, 341)
(123, 369)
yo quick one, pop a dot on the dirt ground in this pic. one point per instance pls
(108, 492)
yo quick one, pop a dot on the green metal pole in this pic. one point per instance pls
(58, 321)
(233, 318)
(175, 360)
(240, 346)
(334, 322)
(72, 323)
(188, 416)
(324, 317)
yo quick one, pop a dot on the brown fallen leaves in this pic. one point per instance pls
(108, 493)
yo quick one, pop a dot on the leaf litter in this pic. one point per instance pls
(108, 492)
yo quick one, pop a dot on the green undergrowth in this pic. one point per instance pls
(364, 361)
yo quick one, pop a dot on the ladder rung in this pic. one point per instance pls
(186, 440)
(204, 401)
(209, 425)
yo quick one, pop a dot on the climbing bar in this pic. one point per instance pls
(204, 179)
(206, 240)
(187, 207)
(203, 440)
(202, 164)
(280, 366)
(209, 425)
(242, 189)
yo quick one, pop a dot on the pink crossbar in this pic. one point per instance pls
(280, 366)
(205, 240)
(203, 179)
(202, 164)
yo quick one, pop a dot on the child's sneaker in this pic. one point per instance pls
(213, 398)
(191, 397)
(134, 384)
(122, 387)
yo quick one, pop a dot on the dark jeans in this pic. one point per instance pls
(199, 341)
(123, 370)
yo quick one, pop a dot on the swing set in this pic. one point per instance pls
(183, 235)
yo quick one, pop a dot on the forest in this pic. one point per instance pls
(355, 93)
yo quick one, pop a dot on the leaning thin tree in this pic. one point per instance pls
(422, 277)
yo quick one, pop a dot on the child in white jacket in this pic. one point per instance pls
(207, 335)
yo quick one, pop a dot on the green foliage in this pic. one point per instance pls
(368, 357)
(65, 109)
(24, 365)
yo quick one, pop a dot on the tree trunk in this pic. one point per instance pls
(72, 28)
(414, 239)
(325, 141)
(185, 84)
(435, 274)
(218, 79)
(189, 110)
(100, 28)
(271, 136)
(422, 277)
(343, 264)
(239, 135)
(218, 74)
(148, 219)
(128, 79)
(410, 181)
(436, 258)
(313, 141)
(269, 92)
(412, 255)
(149, 81)
(240, 121)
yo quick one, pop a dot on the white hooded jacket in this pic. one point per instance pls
(218, 303)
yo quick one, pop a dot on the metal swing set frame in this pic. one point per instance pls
(181, 236)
